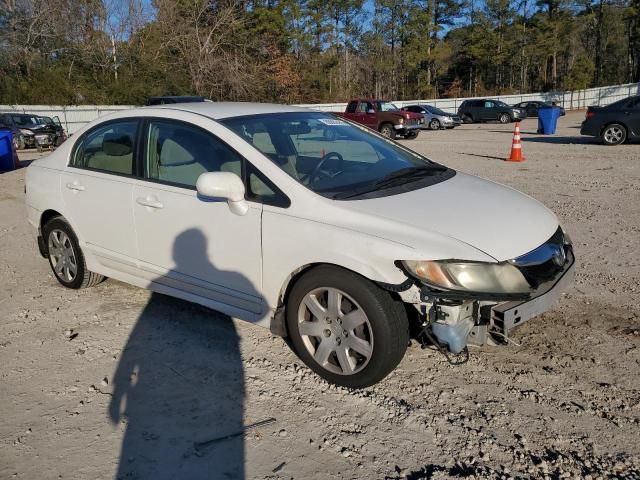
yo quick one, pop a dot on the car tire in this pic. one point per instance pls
(435, 124)
(387, 130)
(357, 343)
(65, 256)
(504, 118)
(411, 135)
(466, 118)
(614, 134)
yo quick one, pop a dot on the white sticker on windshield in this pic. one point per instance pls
(333, 122)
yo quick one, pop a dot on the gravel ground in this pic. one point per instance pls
(116, 382)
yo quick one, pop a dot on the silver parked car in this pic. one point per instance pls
(434, 118)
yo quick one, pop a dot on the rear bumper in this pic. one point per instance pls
(590, 129)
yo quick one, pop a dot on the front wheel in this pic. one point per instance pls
(614, 134)
(504, 118)
(345, 328)
(411, 135)
(387, 131)
(434, 124)
(466, 118)
(65, 256)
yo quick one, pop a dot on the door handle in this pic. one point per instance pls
(75, 186)
(149, 202)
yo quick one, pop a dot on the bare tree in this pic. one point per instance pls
(208, 38)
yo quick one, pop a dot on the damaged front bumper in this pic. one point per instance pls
(457, 319)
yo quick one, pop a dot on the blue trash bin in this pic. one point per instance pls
(8, 155)
(548, 119)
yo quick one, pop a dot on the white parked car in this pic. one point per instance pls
(348, 245)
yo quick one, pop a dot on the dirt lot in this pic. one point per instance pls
(115, 382)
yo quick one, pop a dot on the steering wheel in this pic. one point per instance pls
(315, 174)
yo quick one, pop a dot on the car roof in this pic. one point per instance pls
(219, 110)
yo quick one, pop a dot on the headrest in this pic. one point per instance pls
(173, 154)
(116, 144)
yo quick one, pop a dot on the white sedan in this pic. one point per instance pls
(315, 227)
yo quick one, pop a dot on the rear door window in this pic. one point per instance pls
(109, 148)
(634, 104)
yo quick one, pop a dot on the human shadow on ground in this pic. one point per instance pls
(180, 381)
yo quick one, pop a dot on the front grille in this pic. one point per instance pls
(546, 262)
(412, 121)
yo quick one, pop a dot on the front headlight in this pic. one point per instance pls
(26, 132)
(469, 276)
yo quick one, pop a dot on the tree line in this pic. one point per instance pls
(310, 51)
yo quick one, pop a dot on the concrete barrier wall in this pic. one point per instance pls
(75, 117)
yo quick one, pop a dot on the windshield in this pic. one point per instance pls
(386, 107)
(25, 120)
(500, 104)
(46, 120)
(336, 158)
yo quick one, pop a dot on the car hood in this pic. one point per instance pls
(42, 128)
(497, 220)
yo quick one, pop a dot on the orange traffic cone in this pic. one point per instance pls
(516, 147)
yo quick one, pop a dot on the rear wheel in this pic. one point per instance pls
(345, 328)
(504, 118)
(386, 129)
(614, 134)
(65, 256)
(434, 124)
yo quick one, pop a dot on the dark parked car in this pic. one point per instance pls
(33, 130)
(485, 110)
(174, 99)
(434, 118)
(614, 124)
(531, 107)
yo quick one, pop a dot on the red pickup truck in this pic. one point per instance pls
(384, 117)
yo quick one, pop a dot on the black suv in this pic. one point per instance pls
(486, 110)
(615, 123)
(33, 130)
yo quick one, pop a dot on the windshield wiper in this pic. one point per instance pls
(399, 177)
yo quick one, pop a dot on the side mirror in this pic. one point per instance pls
(225, 185)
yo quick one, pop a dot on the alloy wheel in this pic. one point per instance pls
(335, 330)
(62, 255)
(614, 135)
